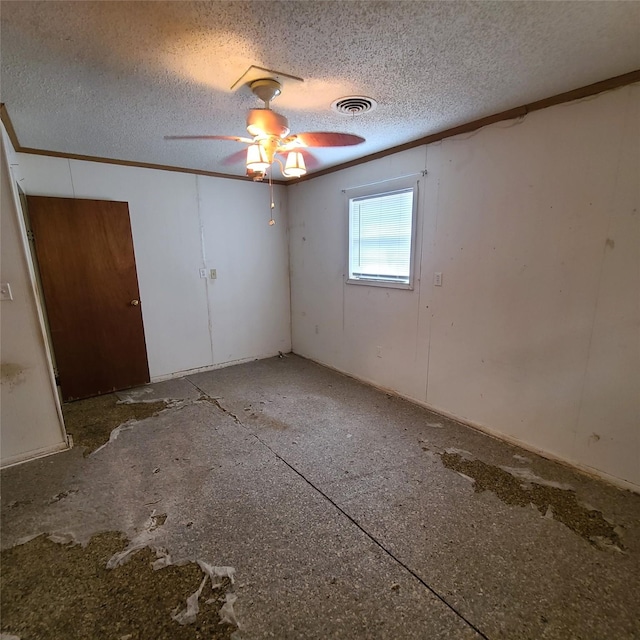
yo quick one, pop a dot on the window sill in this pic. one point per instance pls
(387, 284)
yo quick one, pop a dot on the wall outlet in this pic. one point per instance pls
(379, 352)
(5, 291)
(203, 273)
(213, 274)
(437, 278)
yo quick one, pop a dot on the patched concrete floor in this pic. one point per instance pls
(345, 512)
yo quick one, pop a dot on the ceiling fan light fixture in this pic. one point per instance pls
(264, 123)
(257, 161)
(295, 166)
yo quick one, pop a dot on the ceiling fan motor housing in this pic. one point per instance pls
(265, 123)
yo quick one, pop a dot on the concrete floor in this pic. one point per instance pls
(342, 514)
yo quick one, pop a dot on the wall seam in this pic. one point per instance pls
(433, 245)
(203, 252)
(73, 188)
(422, 206)
(600, 272)
(284, 198)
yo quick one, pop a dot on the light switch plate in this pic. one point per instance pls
(213, 274)
(437, 278)
(5, 291)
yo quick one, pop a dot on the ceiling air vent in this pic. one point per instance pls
(354, 105)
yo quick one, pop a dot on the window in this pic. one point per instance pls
(381, 232)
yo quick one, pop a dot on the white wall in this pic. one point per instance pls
(534, 334)
(535, 226)
(30, 418)
(180, 223)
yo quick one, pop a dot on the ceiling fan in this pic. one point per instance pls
(271, 138)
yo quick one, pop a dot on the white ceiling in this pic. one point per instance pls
(110, 79)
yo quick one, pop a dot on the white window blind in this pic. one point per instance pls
(380, 236)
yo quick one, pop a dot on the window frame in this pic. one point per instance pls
(380, 189)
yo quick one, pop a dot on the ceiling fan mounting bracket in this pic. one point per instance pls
(258, 73)
(266, 89)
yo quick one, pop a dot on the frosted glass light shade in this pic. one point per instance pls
(257, 158)
(295, 167)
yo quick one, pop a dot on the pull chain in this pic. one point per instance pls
(273, 204)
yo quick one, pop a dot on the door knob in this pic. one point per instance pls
(135, 303)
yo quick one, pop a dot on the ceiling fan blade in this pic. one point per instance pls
(310, 160)
(326, 139)
(233, 138)
(236, 157)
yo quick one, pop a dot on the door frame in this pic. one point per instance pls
(37, 279)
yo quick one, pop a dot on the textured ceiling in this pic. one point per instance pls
(110, 79)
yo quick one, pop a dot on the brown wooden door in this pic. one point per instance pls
(90, 287)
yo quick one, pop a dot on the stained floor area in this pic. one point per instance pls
(91, 421)
(279, 499)
(53, 591)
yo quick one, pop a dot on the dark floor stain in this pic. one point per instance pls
(157, 521)
(62, 495)
(91, 421)
(52, 591)
(264, 420)
(18, 503)
(562, 503)
(251, 413)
